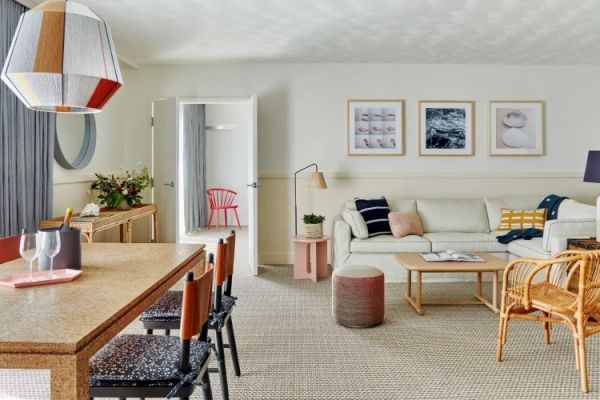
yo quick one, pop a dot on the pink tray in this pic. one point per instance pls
(40, 278)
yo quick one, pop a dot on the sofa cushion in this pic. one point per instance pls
(357, 223)
(571, 209)
(494, 206)
(395, 205)
(522, 219)
(390, 244)
(528, 248)
(461, 241)
(453, 215)
(375, 213)
(405, 223)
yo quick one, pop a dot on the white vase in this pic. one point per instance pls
(123, 205)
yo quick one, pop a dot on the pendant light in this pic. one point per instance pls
(62, 59)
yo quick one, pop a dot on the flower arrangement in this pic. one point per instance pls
(313, 225)
(122, 191)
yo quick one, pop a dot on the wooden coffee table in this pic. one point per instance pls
(414, 262)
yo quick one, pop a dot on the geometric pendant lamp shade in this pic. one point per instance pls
(62, 59)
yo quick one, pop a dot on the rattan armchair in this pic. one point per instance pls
(539, 290)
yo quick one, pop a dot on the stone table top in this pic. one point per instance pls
(63, 318)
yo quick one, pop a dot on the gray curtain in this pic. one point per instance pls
(26, 148)
(194, 167)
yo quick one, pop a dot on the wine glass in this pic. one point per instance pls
(29, 249)
(51, 247)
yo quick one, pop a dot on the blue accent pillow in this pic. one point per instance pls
(375, 213)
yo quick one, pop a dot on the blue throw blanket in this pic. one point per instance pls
(551, 203)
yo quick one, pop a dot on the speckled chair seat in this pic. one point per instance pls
(168, 309)
(143, 360)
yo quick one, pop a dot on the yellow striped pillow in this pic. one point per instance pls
(522, 219)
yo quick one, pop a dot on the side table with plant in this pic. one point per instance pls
(313, 226)
(122, 192)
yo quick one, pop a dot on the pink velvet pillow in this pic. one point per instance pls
(405, 223)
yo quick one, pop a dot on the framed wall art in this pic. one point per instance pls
(446, 128)
(516, 128)
(375, 127)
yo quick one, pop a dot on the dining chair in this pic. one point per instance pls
(9, 248)
(160, 366)
(542, 286)
(220, 199)
(165, 313)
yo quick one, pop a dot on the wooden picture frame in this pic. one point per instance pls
(446, 127)
(517, 128)
(375, 127)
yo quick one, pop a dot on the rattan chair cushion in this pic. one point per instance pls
(168, 307)
(142, 360)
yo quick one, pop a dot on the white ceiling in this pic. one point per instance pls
(366, 31)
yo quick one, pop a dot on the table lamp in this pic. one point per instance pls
(317, 182)
(592, 174)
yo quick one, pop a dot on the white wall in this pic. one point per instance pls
(302, 117)
(71, 186)
(227, 153)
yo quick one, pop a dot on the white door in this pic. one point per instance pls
(253, 187)
(164, 167)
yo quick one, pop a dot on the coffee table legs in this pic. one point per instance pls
(417, 302)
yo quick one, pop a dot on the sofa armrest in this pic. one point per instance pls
(560, 229)
(341, 242)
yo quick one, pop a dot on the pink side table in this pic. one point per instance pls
(310, 258)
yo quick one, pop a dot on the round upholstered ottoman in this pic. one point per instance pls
(358, 296)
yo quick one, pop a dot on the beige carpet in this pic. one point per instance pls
(290, 348)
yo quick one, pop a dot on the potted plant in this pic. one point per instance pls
(313, 226)
(124, 191)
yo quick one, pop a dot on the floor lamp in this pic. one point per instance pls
(317, 182)
(592, 174)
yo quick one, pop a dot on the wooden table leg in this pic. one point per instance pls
(478, 285)
(418, 293)
(121, 232)
(129, 233)
(69, 378)
(495, 290)
(155, 226)
(408, 283)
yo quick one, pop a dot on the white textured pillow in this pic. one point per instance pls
(357, 224)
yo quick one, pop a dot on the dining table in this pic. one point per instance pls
(59, 327)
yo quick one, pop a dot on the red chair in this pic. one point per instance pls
(9, 248)
(222, 199)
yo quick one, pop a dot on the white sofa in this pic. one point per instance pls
(462, 225)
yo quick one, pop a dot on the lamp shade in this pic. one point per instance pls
(317, 181)
(62, 59)
(592, 168)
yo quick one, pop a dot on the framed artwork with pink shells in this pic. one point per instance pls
(375, 127)
(516, 128)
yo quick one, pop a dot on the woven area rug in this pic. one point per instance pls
(291, 348)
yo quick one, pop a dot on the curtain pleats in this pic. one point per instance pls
(26, 148)
(194, 167)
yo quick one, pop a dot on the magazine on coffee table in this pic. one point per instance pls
(451, 255)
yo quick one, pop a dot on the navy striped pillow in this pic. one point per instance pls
(375, 213)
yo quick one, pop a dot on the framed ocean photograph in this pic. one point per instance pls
(517, 128)
(375, 127)
(446, 128)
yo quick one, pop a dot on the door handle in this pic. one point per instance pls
(254, 185)
(172, 184)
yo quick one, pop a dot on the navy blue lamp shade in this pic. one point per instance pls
(592, 168)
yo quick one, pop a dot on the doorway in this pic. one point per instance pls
(225, 157)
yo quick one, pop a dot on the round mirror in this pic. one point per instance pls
(74, 140)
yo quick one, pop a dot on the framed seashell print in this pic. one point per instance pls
(375, 127)
(516, 128)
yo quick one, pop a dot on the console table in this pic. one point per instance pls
(109, 218)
